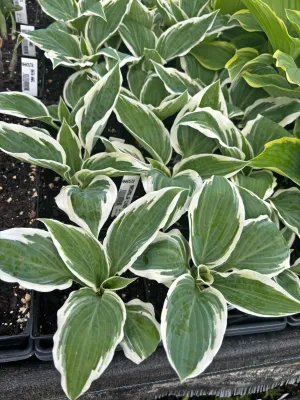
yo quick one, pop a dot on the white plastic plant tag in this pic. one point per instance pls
(125, 195)
(21, 16)
(29, 76)
(28, 48)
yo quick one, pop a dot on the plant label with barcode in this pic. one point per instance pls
(29, 76)
(125, 195)
(28, 48)
(21, 16)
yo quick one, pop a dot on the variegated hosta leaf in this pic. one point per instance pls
(193, 8)
(255, 294)
(214, 55)
(294, 18)
(288, 235)
(185, 139)
(170, 105)
(141, 331)
(137, 226)
(281, 156)
(28, 256)
(71, 144)
(60, 9)
(80, 339)
(290, 282)
(261, 183)
(89, 207)
(116, 146)
(287, 63)
(24, 106)
(33, 146)
(296, 267)
(136, 29)
(110, 164)
(76, 86)
(195, 70)
(112, 57)
(214, 125)
(91, 7)
(63, 111)
(81, 252)
(254, 205)
(216, 218)
(287, 204)
(153, 92)
(237, 62)
(136, 78)
(193, 325)
(274, 27)
(99, 103)
(247, 21)
(117, 283)
(56, 43)
(165, 259)
(180, 38)
(98, 31)
(282, 110)
(261, 248)
(208, 165)
(176, 82)
(145, 127)
(228, 7)
(191, 181)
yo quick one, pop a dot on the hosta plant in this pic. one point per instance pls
(94, 320)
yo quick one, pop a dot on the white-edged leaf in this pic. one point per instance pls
(137, 226)
(216, 218)
(208, 165)
(153, 92)
(288, 235)
(23, 105)
(71, 144)
(170, 105)
(76, 86)
(60, 9)
(261, 183)
(286, 203)
(98, 31)
(193, 325)
(89, 207)
(117, 283)
(290, 282)
(165, 259)
(180, 38)
(99, 103)
(116, 146)
(141, 331)
(82, 340)
(261, 248)
(29, 257)
(145, 127)
(254, 205)
(255, 294)
(33, 146)
(81, 252)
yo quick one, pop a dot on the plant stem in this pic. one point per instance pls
(13, 26)
(3, 26)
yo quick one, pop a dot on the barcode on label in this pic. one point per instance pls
(26, 82)
(29, 76)
(25, 49)
(125, 195)
(28, 48)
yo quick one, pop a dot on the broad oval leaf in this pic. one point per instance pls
(290, 282)
(117, 283)
(89, 207)
(170, 105)
(99, 103)
(193, 325)
(165, 259)
(60, 9)
(81, 340)
(255, 294)
(76, 86)
(287, 204)
(153, 92)
(281, 156)
(254, 206)
(23, 106)
(145, 127)
(81, 252)
(180, 38)
(33, 146)
(261, 248)
(261, 183)
(115, 146)
(141, 331)
(98, 31)
(214, 55)
(208, 165)
(111, 164)
(29, 257)
(216, 218)
(137, 226)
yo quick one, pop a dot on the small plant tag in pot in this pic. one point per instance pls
(21, 16)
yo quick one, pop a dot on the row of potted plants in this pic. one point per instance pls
(209, 93)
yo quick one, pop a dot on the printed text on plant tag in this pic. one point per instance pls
(29, 76)
(28, 48)
(126, 193)
(21, 16)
